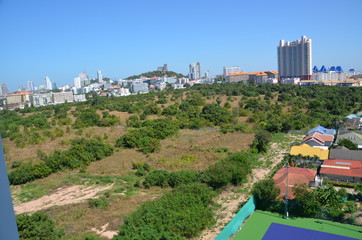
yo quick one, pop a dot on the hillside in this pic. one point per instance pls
(128, 151)
(157, 74)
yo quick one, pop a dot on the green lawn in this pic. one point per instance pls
(259, 222)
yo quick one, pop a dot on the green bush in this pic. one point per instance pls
(37, 226)
(180, 214)
(157, 178)
(178, 178)
(101, 202)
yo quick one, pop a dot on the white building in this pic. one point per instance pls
(99, 76)
(293, 81)
(48, 84)
(80, 98)
(195, 71)
(228, 70)
(295, 59)
(77, 83)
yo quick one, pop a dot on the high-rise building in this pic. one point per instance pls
(295, 59)
(228, 70)
(48, 84)
(99, 76)
(82, 80)
(77, 83)
(195, 71)
(30, 86)
(4, 89)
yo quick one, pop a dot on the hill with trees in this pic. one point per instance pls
(157, 74)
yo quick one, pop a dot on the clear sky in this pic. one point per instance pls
(62, 38)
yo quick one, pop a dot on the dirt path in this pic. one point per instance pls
(230, 198)
(69, 195)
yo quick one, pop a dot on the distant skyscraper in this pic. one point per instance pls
(48, 84)
(165, 67)
(207, 74)
(30, 86)
(99, 76)
(84, 79)
(81, 80)
(195, 71)
(228, 70)
(54, 86)
(295, 59)
(4, 89)
(77, 83)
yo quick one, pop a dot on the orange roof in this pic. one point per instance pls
(237, 73)
(256, 73)
(342, 167)
(21, 93)
(295, 176)
(320, 138)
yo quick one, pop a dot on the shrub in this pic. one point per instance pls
(101, 202)
(16, 164)
(157, 178)
(37, 226)
(176, 179)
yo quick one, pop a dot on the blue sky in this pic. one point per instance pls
(59, 39)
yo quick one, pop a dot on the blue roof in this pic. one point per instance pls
(351, 70)
(323, 69)
(353, 116)
(315, 69)
(339, 69)
(322, 130)
(333, 68)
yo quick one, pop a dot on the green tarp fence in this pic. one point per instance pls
(235, 224)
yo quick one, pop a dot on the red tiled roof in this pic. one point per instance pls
(295, 176)
(342, 167)
(320, 138)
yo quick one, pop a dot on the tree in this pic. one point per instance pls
(37, 226)
(266, 194)
(261, 141)
(307, 204)
(348, 144)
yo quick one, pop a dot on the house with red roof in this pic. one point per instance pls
(316, 139)
(286, 178)
(338, 170)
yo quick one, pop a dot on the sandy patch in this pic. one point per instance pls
(69, 195)
(104, 232)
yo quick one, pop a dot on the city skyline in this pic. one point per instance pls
(49, 39)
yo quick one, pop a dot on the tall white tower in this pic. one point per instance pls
(48, 84)
(99, 76)
(295, 59)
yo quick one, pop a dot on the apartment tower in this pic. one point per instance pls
(295, 59)
(195, 71)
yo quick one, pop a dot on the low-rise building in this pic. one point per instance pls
(339, 170)
(345, 154)
(286, 178)
(237, 77)
(354, 136)
(138, 86)
(21, 97)
(41, 99)
(306, 150)
(317, 139)
(62, 97)
(323, 130)
(80, 98)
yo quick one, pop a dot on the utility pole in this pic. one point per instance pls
(286, 192)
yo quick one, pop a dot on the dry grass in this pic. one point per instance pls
(77, 219)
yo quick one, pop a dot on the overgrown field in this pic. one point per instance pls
(134, 145)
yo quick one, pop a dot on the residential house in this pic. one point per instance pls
(339, 170)
(345, 154)
(354, 123)
(286, 178)
(317, 139)
(306, 150)
(354, 136)
(322, 130)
